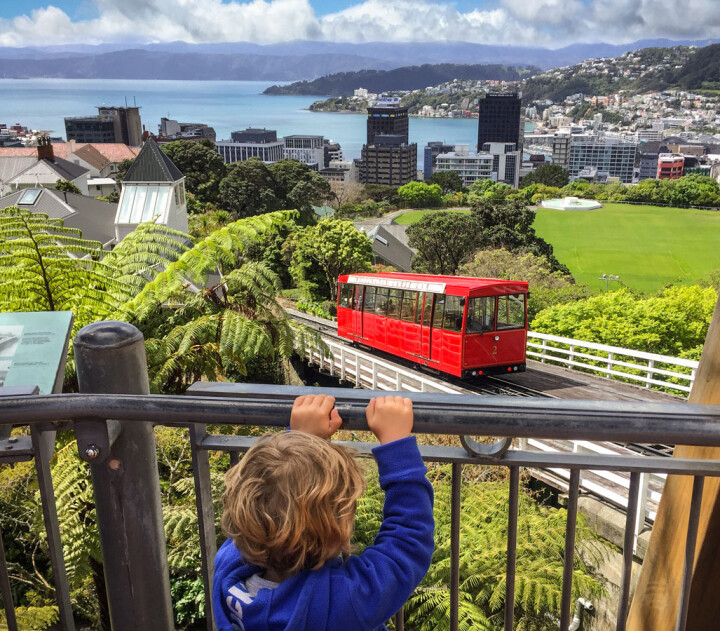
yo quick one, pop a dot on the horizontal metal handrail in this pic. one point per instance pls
(436, 413)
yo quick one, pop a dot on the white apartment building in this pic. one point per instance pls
(232, 151)
(469, 166)
(307, 149)
(506, 162)
(610, 155)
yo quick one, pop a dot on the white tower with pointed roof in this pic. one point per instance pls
(153, 190)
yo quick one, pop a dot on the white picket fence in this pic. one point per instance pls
(613, 362)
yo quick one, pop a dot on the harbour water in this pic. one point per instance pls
(225, 105)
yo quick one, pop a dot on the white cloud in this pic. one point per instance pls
(551, 23)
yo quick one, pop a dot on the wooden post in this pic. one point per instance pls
(655, 604)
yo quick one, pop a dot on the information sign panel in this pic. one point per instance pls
(33, 349)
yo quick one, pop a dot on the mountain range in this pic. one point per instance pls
(289, 61)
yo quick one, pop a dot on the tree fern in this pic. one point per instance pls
(539, 563)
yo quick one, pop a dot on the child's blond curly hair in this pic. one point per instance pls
(289, 505)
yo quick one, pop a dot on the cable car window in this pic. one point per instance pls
(394, 300)
(427, 310)
(511, 311)
(369, 305)
(408, 306)
(358, 297)
(418, 311)
(346, 295)
(381, 300)
(453, 313)
(481, 315)
(439, 310)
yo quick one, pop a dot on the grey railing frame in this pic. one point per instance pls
(114, 432)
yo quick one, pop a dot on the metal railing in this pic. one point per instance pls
(613, 362)
(111, 372)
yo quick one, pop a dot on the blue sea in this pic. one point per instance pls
(225, 105)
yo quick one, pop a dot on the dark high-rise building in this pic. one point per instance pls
(258, 136)
(388, 157)
(99, 129)
(387, 118)
(500, 119)
(112, 124)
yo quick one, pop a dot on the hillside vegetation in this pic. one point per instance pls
(407, 78)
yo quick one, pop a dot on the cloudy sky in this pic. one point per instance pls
(550, 23)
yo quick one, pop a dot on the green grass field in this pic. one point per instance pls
(647, 246)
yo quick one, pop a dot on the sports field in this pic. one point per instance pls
(413, 216)
(647, 246)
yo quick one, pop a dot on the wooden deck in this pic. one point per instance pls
(572, 384)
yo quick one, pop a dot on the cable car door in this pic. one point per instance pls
(426, 326)
(358, 312)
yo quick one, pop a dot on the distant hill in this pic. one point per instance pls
(407, 78)
(702, 70)
(640, 71)
(287, 61)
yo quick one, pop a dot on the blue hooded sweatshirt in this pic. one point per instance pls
(358, 594)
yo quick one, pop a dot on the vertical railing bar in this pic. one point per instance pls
(569, 548)
(643, 510)
(628, 547)
(234, 458)
(693, 521)
(455, 546)
(400, 620)
(206, 515)
(43, 447)
(513, 501)
(6, 590)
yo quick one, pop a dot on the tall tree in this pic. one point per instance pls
(421, 195)
(448, 181)
(443, 240)
(548, 174)
(298, 187)
(202, 167)
(248, 189)
(320, 253)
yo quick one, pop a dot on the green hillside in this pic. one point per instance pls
(647, 246)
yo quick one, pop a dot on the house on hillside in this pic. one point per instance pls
(42, 168)
(153, 190)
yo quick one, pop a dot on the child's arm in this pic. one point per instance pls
(382, 578)
(315, 414)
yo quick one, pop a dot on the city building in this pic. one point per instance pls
(387, 118)
(331, 151)
(500, 119)
(670, 166)
(343, 171)
(648, 135)
(112, 124)
(255, 135)
(251, 143)
(469, 166)
(90, 128)
(387, 162)
(613, 156)
(506, 162)
(648, 165)
(432, 150)
(388, 157)
(170, 130)
(152, 190)
(307, 149)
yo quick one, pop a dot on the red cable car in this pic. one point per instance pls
(461, 326)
